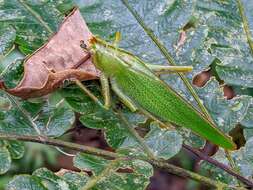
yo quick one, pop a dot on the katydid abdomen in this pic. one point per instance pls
(156, 98)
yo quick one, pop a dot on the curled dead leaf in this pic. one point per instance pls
(60, 59)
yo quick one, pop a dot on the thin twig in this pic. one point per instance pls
(232, 163)
(88, 92)
(219, 165)
(245, 25)
(103, 153)
(188, 174)
(137, 137)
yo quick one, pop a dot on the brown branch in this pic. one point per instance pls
(103, 153)
(220, 165)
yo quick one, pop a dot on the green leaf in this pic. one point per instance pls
(225, 113)
(13, 122)
(5, 160)
(115, 131)
(25, 182)
(247, 133)
(43, 179)
(10, 150)
(78, 100)
(16, 149)
(7, 37)
(108, 176)
(88, 162)
(190, 138)
(13, 73)
(61, 180)
(247, 124)
(50, 180)
(248, 119)
(32, 23)
(228, 39)
(54, 121)
(51, 120)
(75, 179)
(9, 61)
(164, 143)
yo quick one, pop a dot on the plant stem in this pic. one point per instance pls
(232, 163)
(36, 16)
(62, 144)
(88, 92)
(103, 153)
(140, 140)
(219, 165)
(188, 174)
(245, 25)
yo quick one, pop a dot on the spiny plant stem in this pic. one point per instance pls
(103, 153)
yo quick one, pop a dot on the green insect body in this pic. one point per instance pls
(133, 78)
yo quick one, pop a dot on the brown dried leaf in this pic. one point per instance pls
(60, 59)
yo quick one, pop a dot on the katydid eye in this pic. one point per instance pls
(83, 45)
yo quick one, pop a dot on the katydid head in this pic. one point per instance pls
(104, 56)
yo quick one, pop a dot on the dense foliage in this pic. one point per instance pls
(218, 36)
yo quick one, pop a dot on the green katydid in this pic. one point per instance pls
(139, 88)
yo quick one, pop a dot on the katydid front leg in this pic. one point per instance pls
(104, 81)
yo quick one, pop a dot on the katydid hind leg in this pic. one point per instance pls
(124, 98)
(168, 69)
(117, 39)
